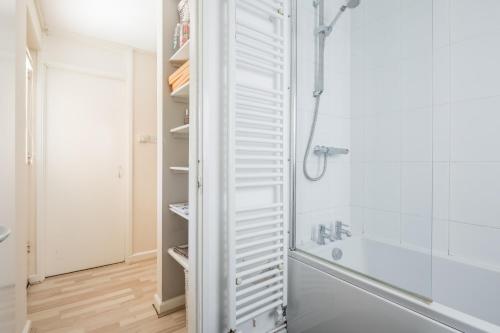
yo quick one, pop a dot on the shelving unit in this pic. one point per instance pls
(177, 186)
(180, 130)
(181, 260)
(181, 94)
(179, 169)
(180, 56)
(176, 210)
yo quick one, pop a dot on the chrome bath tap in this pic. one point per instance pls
(324, 233)
(340, 230)
(335, 232)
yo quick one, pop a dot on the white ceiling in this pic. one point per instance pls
(129, 22)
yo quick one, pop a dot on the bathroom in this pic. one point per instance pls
(341, 164)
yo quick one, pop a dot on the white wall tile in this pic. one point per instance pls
(304, 229)
(311, 196)
(441, 76)
(415, 28)
(358, 40)
(334, 190)
(380, 9)
(338, 51)
(358, 18)
(441, 23)
(358, 146)
(441, 190)
(382, 224)
(358, 184)
(358, 84)
(382, 137)
(470, 19)
(441, 133)
(475, 130)
(416, 189)
(475, 193)
(416, 135)
(383, 91)
(357, 220)
(474, 68)
(336, 99)
(440, 236)
(338, 178)
(382, 41)
(383, 183)
(475, 243)
(416, 81)
(416, 231)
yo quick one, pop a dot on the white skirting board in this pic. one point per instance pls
(36, 279)
(140, 256)
(27, 327)
(170, 305)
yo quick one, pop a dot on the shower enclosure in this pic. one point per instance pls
(396, 150)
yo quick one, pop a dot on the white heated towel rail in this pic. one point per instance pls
(258, 164)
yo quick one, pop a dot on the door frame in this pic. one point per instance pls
(40, 153)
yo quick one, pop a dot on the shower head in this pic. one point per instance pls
(327, 30)
(352, 3)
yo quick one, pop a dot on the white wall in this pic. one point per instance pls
(144, 169)
(8, 280)
(21, 170)
(327, 200)
(86, 54)
(212, 291)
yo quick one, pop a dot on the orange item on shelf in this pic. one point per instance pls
(183, 79)
(181, 70)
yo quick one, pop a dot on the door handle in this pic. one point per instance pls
(4, 233)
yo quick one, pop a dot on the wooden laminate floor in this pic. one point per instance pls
(115, 298)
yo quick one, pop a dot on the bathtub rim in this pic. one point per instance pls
(430, 309)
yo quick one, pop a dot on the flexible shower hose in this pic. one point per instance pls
(309, 143)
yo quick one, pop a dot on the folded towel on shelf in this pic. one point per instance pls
(179, 77)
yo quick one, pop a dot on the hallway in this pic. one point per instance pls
(115, 298)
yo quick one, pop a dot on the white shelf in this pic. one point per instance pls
(179, 169)
(178, 211)
(181, 93)
(180, 56)
(181, 260)
(184, 130)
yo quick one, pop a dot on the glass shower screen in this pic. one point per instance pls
(363, 137)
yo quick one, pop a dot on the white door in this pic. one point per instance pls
(85, 184)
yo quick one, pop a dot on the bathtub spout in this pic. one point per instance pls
(324, 233)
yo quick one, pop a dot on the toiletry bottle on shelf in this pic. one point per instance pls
(177, 37)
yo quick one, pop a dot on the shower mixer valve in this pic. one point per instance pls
(324, 150)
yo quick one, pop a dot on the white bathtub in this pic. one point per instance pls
(461, 295)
